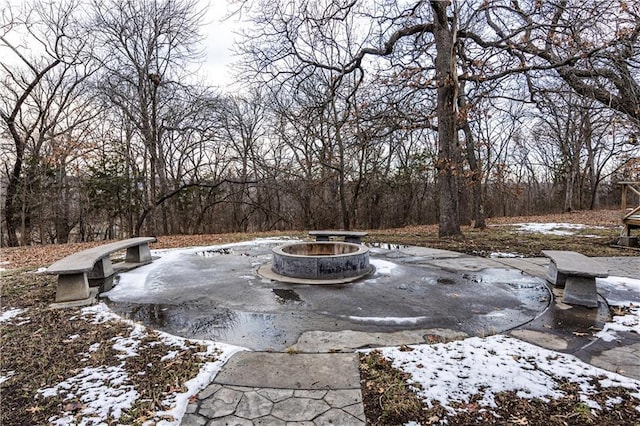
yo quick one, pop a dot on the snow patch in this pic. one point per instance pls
(104, 391)
(552, 228)
(500, 254)
(11, 313)
(383, 267)
(128, 345)
(9, 374)
(621, 324)
(456, 371)
(388, 320)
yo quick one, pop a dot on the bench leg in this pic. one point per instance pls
(72, 287)
(554, 277)
(138, 254)
(354, 240)
(102, 269)
(580, 291)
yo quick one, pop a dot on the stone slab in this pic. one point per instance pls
(580, 291)
(546, 340)
(623, 360)
(72, 287)
(465, 264)
(627, 266)
(291, 371)
(84, 260)
(350, 340)
(431, 253)
(91, 300)
(533, 266)
(572, 263)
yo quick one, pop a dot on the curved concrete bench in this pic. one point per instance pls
(577, 274)
(75, 271)
(349, 236)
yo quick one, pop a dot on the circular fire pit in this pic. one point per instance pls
(320, 261)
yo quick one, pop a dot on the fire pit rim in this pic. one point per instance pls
(359, 249)
(319, 266)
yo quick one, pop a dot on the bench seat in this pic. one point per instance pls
(75, 271)
(577, 274)
(349, 236)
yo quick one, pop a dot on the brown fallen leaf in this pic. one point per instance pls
(73, 406)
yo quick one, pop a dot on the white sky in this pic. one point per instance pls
(218, 44)
(218, 41)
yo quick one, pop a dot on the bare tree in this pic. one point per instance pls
(568, 39)
(146, 47)
(593, 46)
(43, 99)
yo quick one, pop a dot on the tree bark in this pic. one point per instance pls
(444, 33)
(472, 159)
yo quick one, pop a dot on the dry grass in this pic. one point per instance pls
(389, 400)
(42, 347)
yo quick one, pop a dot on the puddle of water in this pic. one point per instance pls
(445, 281)
(221, 324)
(285, 296)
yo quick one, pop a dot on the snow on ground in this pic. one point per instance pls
(503, 255)
(388, 320)
(630, 322)
(383, 267)
(106, 391)
(456, 371)
(622, 286)
(551, 228)
(10, 313)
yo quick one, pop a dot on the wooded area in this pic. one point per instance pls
(349, 114)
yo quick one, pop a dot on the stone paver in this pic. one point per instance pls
(221, 403)
(300, 409)
(262, 388)
(540, 338)
(291, 371)
(253, 405)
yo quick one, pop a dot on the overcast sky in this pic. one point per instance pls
(219, 38)
(218, 42)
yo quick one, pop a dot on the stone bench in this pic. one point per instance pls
(349, 236)
(577, 274)
(75, 271)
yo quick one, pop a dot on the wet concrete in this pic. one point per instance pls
(416, 295)
(216, 294)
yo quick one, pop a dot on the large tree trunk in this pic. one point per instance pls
(472, 159)
(476, 178)
(448, 151)
(10, 216)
